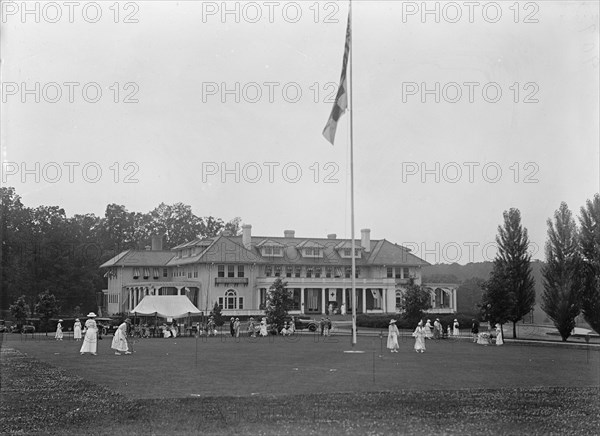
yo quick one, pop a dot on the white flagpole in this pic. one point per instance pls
(351, 113)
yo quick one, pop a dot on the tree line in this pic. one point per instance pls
(44, 250)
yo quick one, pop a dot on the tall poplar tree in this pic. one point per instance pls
(590, 252)
(562, 277)
(511, 279)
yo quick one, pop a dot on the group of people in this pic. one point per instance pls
(423, 332)
(90, 338)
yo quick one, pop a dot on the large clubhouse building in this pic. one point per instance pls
(236, 272)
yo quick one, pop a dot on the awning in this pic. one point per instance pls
(166, 306)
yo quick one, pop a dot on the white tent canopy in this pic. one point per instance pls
(166, 306)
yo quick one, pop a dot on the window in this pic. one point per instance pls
(406, 273)
(276, 251)
(347, 252)
(240, 270)
(230, 299)
(318, 272)
(268, 251)
(221, 271)
(398, 273)
(155, 273)
(308, 251)
(328, 271)
(390, 273)
(263, 299)
(357, 271)
(268, 270)
(146, 273)
(165, 272)
(196, 272)
(348, 272)
(357, 252)
(288, 271)
(338, 272)
(277, 270)
(230, 270)
(136, 273)
(398, 300)
(309, 272)
(297, 271)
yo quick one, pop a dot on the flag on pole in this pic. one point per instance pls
(341, 100)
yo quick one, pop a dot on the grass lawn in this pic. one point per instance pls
(299, 385)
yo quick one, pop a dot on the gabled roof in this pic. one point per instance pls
(387, 253)
(223, 249)
(139, 258)
(269, 243)
(348, 244)
(309, 243)
(198, 242)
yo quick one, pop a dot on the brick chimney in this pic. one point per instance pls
(289, 233)
(366, 239)
(247, 236)
(331, 236)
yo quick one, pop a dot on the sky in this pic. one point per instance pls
(460, 112)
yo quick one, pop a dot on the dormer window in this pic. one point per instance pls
(347, 252)
(271, 250)
(312, 252)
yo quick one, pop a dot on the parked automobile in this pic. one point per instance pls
(306, 323)
(23, 329)
(107, 326)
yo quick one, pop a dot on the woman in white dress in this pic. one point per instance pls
(392, 341)
(419, 335)
(119, 342)
(499, 339)
(428, 334)
(77, 330)
(291, 327)
(456, 331)
(90, 341)
(263, 327)
(59, 333)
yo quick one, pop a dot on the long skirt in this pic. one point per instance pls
(77, 333)
(90, 342)
(499, 340)
(392, 341)
(119, 342)
(59, 334)
(420, 343)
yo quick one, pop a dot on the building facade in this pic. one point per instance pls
(236, 272)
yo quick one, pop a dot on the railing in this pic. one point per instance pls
(231, 281)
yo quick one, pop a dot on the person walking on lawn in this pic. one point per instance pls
(392, 341)
(119, 342)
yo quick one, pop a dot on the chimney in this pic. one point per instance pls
(366, 239)
(289, 234)
(331, 236)
(157, 243)
(247, 236)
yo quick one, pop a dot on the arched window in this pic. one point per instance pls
(230, 301)
(399, 295)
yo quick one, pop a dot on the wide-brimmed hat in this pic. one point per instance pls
(128, 320)
(76, 319)
(392, 321)
(455, 320)
(60, 320)
(237, 319)
(91, 315)
(420, 322)
(437, 319)
(251, 319)
(232, 318)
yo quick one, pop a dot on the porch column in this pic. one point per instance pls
(129, 299)
(302, 300)
(323, 300)
(178, 289)
(364, 300)
(344, 298)
(454, 300)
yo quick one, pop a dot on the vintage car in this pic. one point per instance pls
(306, 323)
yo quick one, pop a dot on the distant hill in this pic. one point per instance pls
(455, 273)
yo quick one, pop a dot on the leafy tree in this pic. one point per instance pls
(562, 279)
(46, 308)
(496, 303)
(415, 301)
(590, 252)
(216, 314)
(233, 226)
(210, 226)
(177, 222)
(279, 300)
(512, 272)
(19, 310)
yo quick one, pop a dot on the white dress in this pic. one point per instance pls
(499, 339)
(59, 332)
(263, 328)
(419, 335)
(392, 341)
(428, 333)
(456, 332)
(90, 341)
(119, 342)
(77, 330)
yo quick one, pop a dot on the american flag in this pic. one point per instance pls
(341, 100)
